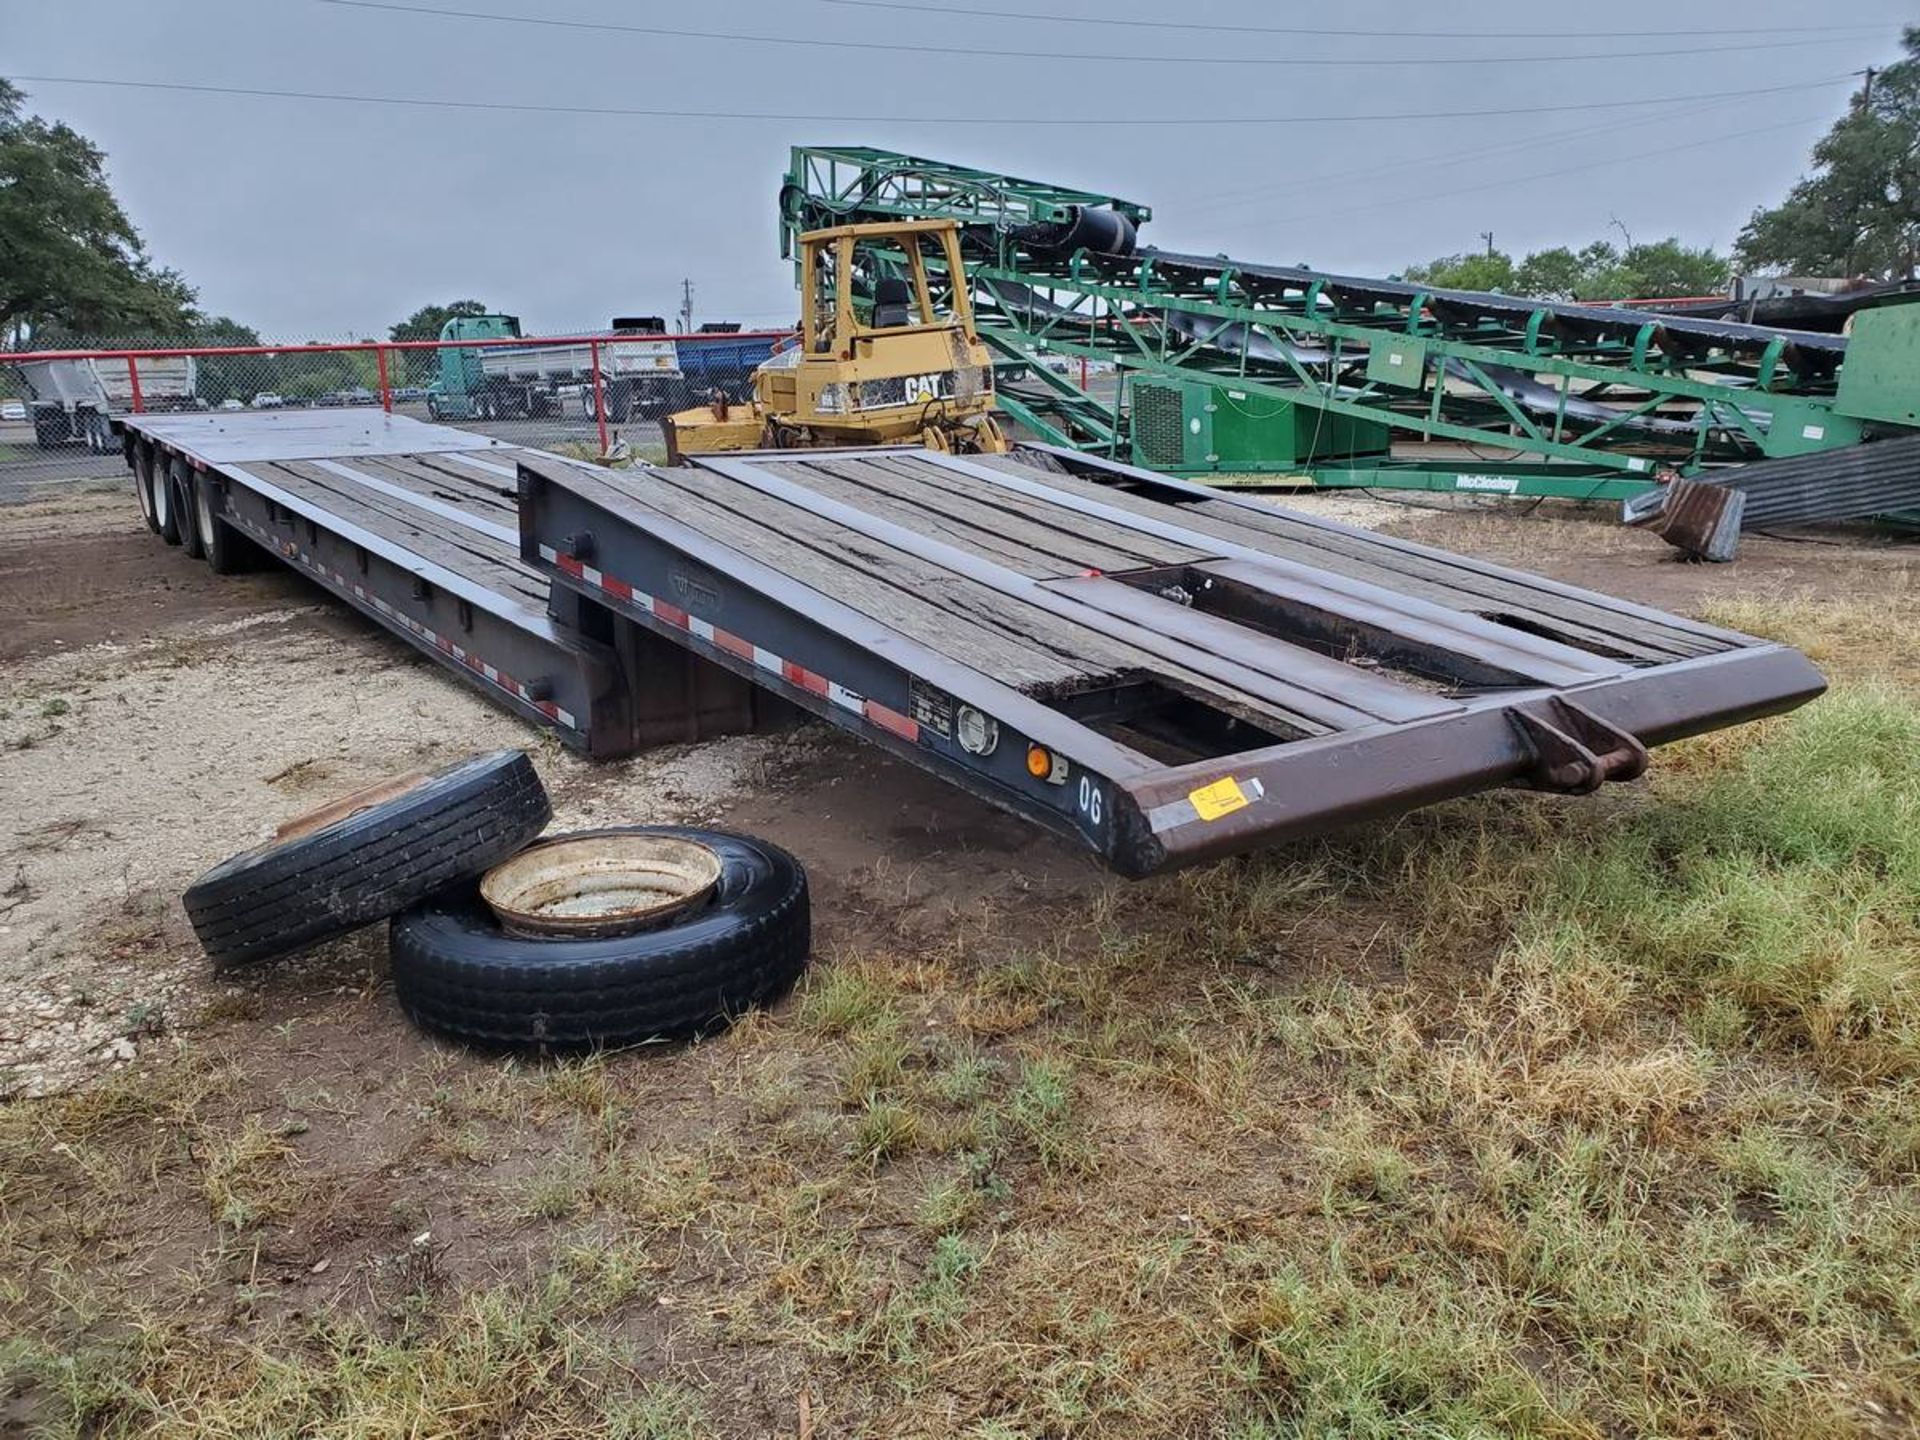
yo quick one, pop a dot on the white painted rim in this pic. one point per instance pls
(204, 510)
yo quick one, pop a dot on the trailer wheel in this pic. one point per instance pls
(167, 521)
(143, 482)
(456, 971)
(185, 517)
(367, 856)
(226, 550)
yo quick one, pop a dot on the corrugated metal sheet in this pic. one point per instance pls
(1881, 477)
(1872, 479)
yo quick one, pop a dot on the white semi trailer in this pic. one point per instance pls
(75, 402)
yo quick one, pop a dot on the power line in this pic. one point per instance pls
(1239, 199)
(676, 113)
(1190, 25)
(1505, 181)
(1055, 56)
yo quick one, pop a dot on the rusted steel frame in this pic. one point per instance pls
(1378, 697)
(1563, 739)
(1315, 784)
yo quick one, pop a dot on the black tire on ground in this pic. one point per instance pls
(289, 894)
(166, 521)
(143, 461)
(457, 972)
(226, 550)
(185, 520)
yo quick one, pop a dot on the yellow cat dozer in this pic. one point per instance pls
(901, 366)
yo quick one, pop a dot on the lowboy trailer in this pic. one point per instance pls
(1161, 672)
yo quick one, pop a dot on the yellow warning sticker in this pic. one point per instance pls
(1223, 797)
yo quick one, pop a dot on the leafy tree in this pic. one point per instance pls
(70, 259)
(425, 324)
(1477, 270)
(1657, 270)
(1858, 213)
(1599, 271)
(1557, 274)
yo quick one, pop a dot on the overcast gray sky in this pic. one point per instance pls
(317, 219)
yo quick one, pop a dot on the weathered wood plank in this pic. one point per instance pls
(1441, 580)
(475, 556)
(1022, 644)
(1045, 541)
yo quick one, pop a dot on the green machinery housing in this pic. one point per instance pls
(1226, 369)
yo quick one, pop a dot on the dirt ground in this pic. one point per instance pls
(155, 718)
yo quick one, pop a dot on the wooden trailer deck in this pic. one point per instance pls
(1140, 634)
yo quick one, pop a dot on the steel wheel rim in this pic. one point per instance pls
(143, 489)
(598, 885)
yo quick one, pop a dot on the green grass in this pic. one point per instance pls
(1518, 1117)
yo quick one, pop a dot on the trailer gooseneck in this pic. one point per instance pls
(1158, 671)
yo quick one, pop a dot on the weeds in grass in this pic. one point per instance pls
(886, 1129)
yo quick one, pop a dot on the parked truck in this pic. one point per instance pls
(643, 372)
(75, 402)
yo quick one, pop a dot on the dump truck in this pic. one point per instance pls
(643, 371)
(75, 402)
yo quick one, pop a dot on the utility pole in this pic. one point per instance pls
(686, 307)
(1866, 92)
(1487, 235)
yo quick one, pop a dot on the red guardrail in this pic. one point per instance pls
(380, 349)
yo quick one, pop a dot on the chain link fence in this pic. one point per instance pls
(582, 393)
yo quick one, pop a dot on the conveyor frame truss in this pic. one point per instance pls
(1594, 401)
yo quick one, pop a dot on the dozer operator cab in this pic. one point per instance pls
(887, 353)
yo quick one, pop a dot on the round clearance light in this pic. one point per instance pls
(977, 732)
(1039, 762)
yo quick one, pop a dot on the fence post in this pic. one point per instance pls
(133, 384)
(599, 400)
(386, 390)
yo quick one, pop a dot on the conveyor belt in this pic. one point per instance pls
(1615, 321)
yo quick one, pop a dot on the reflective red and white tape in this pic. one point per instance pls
(872, 711)
(492, 674)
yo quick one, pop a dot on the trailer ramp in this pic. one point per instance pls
(1162, 672)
